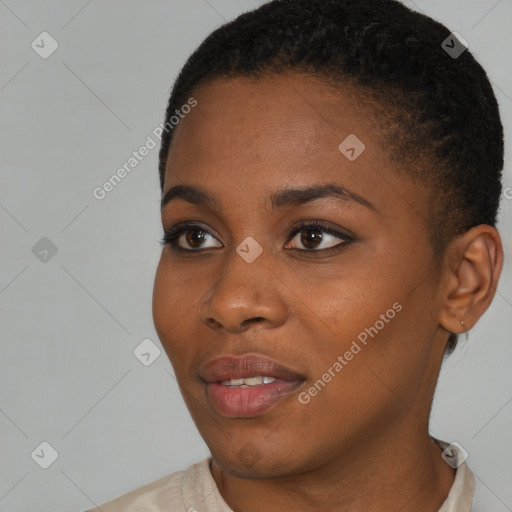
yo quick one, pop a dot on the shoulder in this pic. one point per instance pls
(173, 489)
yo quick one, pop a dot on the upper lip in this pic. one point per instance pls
(239, 367)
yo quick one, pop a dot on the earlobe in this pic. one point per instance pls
(472, 269)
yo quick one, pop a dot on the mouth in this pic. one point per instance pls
(247, 386)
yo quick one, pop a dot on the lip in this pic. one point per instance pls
(247, 402)
(248, 365)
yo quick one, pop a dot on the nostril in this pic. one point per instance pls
(254, 320)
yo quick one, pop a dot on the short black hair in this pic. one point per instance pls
(436, 110)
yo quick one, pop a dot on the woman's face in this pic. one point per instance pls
(349, 306)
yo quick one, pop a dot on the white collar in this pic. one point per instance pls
(460, 497)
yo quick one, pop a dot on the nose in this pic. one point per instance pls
(245, 294)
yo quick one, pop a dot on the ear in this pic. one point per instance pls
(472, 268)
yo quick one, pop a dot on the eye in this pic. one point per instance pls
(314, 235)
(317, 237)
(188, 237)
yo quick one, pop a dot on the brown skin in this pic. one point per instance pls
(362, 442)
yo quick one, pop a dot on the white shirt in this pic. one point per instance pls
(194, 490)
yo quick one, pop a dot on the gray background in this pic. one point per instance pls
(68, 375)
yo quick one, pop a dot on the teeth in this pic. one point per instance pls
(249, 381)
(253, 381)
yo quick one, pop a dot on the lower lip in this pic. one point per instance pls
(249, 402)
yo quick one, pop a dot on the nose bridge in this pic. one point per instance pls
(246, 290)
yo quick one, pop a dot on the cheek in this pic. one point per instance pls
(338, 304)
(163, 301)
(175, 302)
(369, 319)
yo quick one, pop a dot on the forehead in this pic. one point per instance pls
(296, 117)
(256, 135)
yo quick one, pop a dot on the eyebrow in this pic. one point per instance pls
(287, 197)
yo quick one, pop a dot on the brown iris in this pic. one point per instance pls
(312, 235)
(195, 237)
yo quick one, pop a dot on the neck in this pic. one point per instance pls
(399, 471)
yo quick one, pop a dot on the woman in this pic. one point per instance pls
(330, 174)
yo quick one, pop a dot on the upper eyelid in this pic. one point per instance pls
(186, 226)
(189, 226)
(322, 225)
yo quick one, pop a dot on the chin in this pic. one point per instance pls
(249, 469)
(258, 461)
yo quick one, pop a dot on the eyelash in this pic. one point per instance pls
(171, 236)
